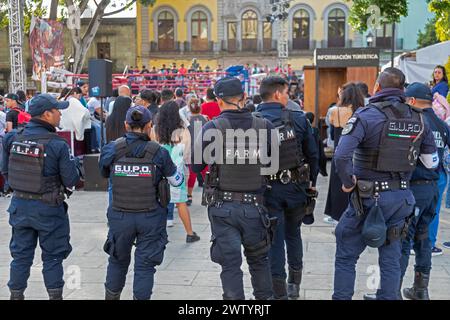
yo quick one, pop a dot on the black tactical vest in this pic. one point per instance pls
(133, 178)
(26, 164)
(241, 168)
(290, 157)
(400, 141)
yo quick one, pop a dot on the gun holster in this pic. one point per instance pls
(209, 194)
(54, 198)
(310, 205)
(164, 193)
(356, 201)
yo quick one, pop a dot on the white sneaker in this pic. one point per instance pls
(330, 220)
(169, 223)
(435, 251)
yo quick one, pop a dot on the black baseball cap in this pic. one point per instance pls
(45, 102)
(146, 116)
(228, 87)
(13, 96)
(419, 91)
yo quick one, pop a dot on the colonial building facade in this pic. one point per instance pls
(112, 41)
(234, 31)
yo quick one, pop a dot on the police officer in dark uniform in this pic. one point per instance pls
(424, 185)
(233, 191)
(384, 140)
(426, 192)
(39, 168)
(287, 197)
(140, 171)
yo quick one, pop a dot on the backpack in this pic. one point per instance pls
(23, 117)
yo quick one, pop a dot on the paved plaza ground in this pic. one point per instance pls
(187, 271)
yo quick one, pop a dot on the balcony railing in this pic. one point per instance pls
(198, 46)
(165, 46)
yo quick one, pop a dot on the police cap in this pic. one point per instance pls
(228, 87)
(419, 91)
(45, 102)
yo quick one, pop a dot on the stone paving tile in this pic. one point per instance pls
(187, 271)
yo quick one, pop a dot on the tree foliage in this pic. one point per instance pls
(441, 8)
(31, 8)
(81, 41)
(361, 18)
(428, 36)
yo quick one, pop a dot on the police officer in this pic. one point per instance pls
(424, 185)
(287, 197)
(426, 193)
(384, 140)
(233, 192)
(39, 167)
(137, 215)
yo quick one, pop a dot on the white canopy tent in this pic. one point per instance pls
(418, 65)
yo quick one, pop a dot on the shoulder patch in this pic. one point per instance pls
(349, 126)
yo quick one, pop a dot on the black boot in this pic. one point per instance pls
(419, 290)
(109, 295)
(17, 294)
(294, 281)
(55, 294)
(279, 289)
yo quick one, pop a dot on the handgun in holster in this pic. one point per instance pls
(357, 202)
(311, 196)
(405, 229)
(304, 173)
(273, 222)
(209, 194)
(270, 223)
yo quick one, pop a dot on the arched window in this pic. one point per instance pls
(300, 30)
(249, 30)
(232, 36)
(166, 31)
(267, 36)
(336, 28)
(199, 27)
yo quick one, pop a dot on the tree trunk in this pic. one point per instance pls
(81, 46)
(54, 10)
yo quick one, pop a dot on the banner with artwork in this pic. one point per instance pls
(46, 45)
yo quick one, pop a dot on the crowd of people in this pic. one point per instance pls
(173, 71)
(150, 138)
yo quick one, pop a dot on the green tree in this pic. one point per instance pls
(30, 8)
(442, 10)
(428, 36)
(67, 8)
(363, 17)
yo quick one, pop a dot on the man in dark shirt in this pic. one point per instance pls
(12, 117)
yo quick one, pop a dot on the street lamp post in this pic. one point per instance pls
(369, 39)
(393, 45)
(71, 62)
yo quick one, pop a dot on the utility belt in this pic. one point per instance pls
(213, 196)
(371, 189)
(422, 182)
(297, 175)
(367, 189)
(55, 198)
